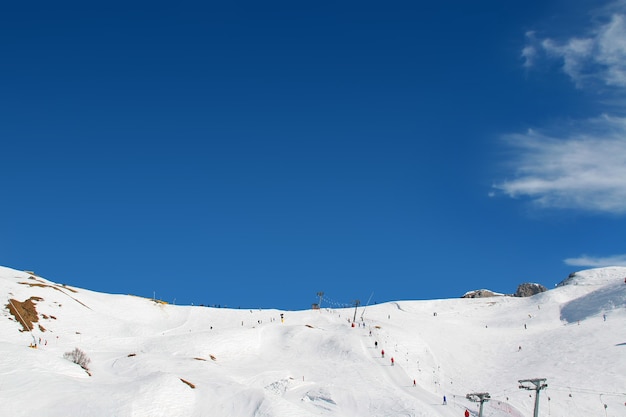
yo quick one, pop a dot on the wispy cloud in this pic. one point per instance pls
(597, 56)
(582, 165)
(529, 52)
(597, 262)
(585, 169)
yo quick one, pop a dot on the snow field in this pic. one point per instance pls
(154, 359)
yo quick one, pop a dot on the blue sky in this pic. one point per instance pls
(253, 154)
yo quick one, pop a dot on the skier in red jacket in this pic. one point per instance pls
(466, 413)
(392, 361)
(382, 352)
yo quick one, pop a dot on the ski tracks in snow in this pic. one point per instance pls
(422, 402)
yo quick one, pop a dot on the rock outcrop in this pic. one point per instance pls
(481, 294)
(528, 289)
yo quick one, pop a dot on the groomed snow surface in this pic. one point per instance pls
(149, 358)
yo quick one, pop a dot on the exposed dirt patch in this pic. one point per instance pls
(61, 289)
(200, 359)
(188, 383)
(68, 288)
(44, 285)
(213, 358)
(25, 312)
(130, 355)
(33, 276)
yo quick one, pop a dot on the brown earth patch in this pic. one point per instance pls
(44, 285)
(60, 289)
(213, 358)
(200, 359)
(24, 312)
(188, 383)
(69, 288)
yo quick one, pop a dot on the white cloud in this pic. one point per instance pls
(582, 170)
(583, 164)
(611, 44)
(598, 56)
(597, 262)
(529, 52)
(576, 54)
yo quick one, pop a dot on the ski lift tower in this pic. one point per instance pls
(536, 385)
(479, 397)
(357, 303)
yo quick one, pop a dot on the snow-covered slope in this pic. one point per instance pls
(153, 359)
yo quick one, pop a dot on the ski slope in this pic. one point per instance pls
(149, 358)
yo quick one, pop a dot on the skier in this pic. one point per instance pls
(382, 352)
(414, 383)
(445, 402)
(376, 344)
(466, 412)
(392, 361)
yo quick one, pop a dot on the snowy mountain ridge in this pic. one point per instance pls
(596, 276)
(148, 358)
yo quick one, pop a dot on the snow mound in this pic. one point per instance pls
(596, 276)
(595, 303)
